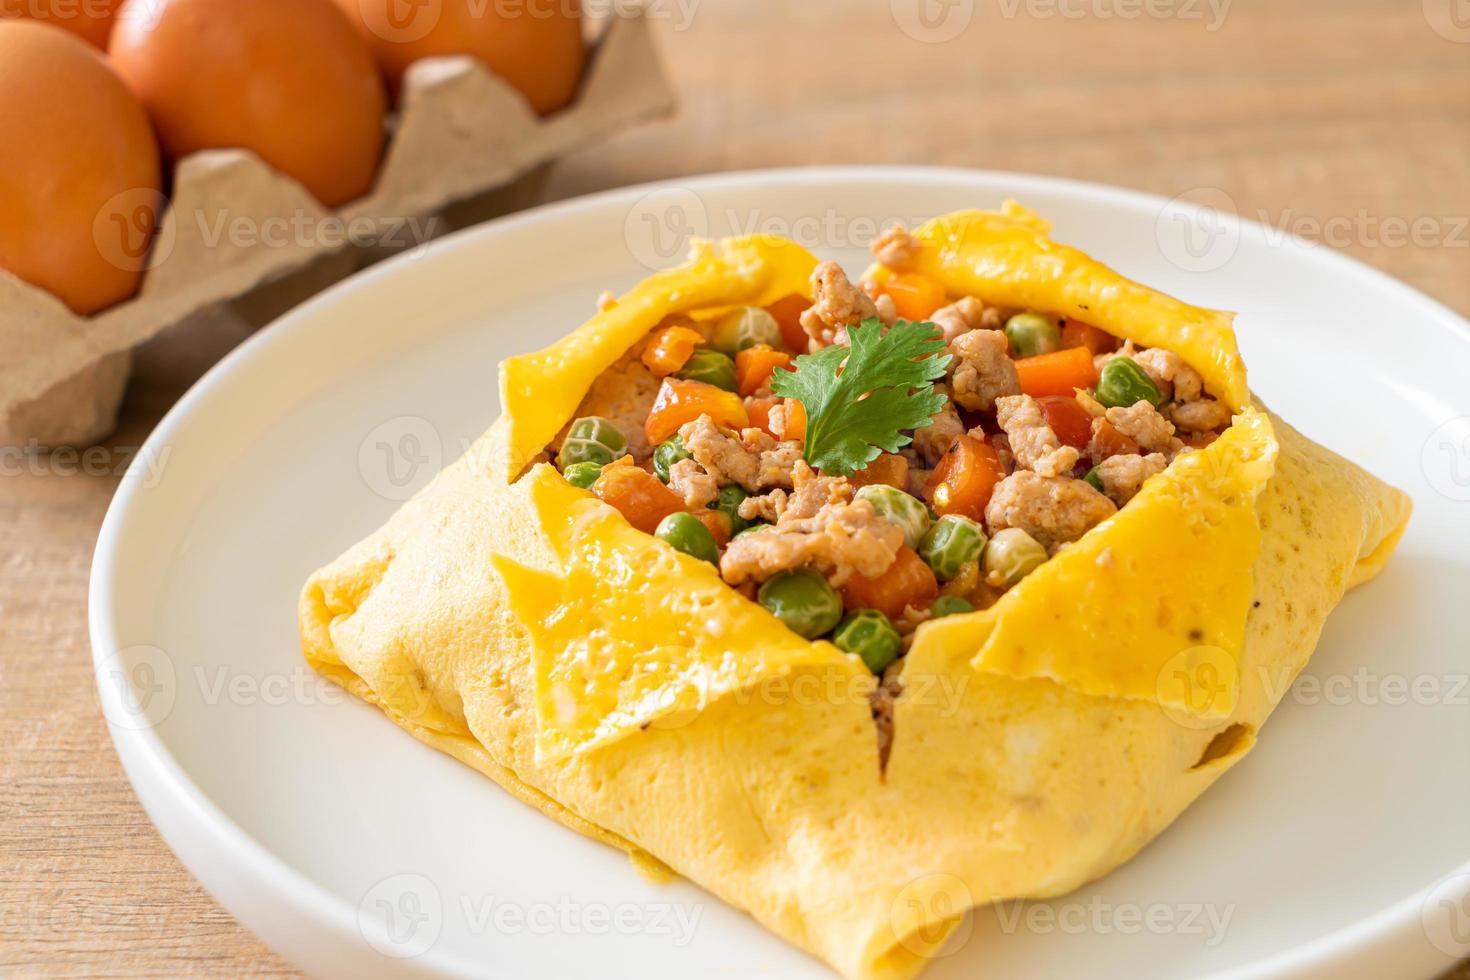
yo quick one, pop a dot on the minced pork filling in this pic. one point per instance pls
(882, 453)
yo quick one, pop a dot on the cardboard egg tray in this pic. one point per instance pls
(241, 243)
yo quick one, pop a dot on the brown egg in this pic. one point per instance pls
(535, 45)
(79, 188)
(289, 79)
(90, 20)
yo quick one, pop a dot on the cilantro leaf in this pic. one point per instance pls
(860, 398)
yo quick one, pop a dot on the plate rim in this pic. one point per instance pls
(160, 781)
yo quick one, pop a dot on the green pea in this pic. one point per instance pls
(745, 327)
(1012, 555)
(754, 529)
(1031, 334)
(711, 367)
(869, 634)
(950, 605)
(952, 541)
(687, 533)
(1123, 383)
(897, 507)
(582, 475)
(591, 439)
(1093, 478)
(669, 452)
(802, 599)
(728, 503)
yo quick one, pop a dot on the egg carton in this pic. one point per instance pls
(241, 243)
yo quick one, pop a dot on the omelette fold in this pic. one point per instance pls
(1001, 731)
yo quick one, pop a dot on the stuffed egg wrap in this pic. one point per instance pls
(863, 603)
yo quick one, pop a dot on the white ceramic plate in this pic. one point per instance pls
(1338, 847)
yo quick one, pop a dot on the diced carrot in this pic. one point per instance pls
(638, 495)
(889, 468)
(718, 523)
(1075, 333)
(788, 310)
(669, 348)
(907, 582)
(754, 366)
(965, 478)
(1058, 373)
(915, 297)
(1067, 419)
(1107, 442)
(681, 401)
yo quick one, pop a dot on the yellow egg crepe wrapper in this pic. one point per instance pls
(525, 628)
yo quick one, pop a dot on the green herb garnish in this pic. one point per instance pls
(859, 399)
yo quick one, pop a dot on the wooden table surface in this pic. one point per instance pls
(1342, 119)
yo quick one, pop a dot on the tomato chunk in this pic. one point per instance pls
(1107, 442)
(788, 310)
(908, 582)
(718, 523)
(759, 411)
(965, 478)
(637, 495)
(795, 421)
(1075, 333)
(889, 468)
(669, 349)
(681, 401)
(755, 365)
(1068, 420)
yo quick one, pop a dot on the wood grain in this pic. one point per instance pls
(1313, 109)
